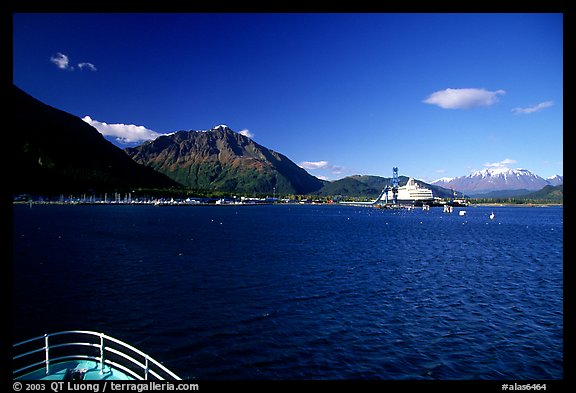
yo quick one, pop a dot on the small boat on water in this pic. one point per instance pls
(492, 215)
(458, 203)
(76, 355)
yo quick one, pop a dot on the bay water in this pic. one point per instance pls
(301, 291)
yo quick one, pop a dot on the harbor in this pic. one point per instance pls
(409, 196)
(129, 199)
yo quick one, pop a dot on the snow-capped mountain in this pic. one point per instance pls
(555, 180)
(497, 179)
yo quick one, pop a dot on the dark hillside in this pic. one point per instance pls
(53, 152)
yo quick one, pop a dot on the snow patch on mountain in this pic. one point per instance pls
(555, 180)
(442, 180)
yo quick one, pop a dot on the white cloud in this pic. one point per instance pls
(61, 61)
(88, 66)
(125, 133)
(312, 165)
(322, 165)
(532, 109)
(463, 98)
(500, 164)
(246, 132)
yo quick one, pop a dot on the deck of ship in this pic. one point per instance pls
(66, 371)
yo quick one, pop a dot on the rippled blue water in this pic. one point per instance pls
(301, 292)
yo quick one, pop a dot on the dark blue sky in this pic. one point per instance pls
(341, 94)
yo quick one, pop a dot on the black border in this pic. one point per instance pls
(566, 7)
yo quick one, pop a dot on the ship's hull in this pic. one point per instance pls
(417, 202)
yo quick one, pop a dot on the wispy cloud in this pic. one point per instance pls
(500, 164)
(532, 109)
(87, 66)
(63, 62)
(463, 98)
(322, 165)
(336, 170)
(246, 132)
(124, 133)
(312, 165)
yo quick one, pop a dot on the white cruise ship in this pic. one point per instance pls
(411, 193)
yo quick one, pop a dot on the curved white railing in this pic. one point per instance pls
(123, 355)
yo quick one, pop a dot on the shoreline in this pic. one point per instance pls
(517, 204)
(150, 203)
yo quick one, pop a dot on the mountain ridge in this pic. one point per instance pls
(224, 160)
(59, 152)
(55, 151)
(499, 179)
(548, 192)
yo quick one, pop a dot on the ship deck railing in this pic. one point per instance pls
(46, 351)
